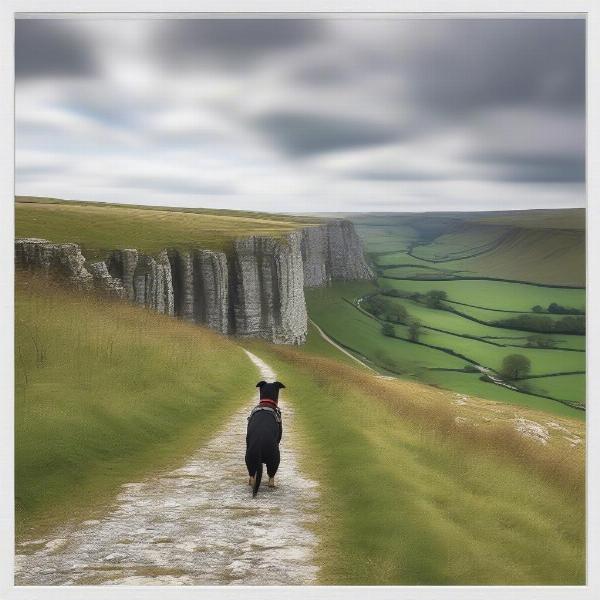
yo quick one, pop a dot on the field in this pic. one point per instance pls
(105, 394)
(483, 317)
(100, 227)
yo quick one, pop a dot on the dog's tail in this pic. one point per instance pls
(257, 479)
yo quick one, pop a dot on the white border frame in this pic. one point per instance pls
(274, 8)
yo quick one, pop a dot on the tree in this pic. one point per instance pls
(397, 314)
(414, 330)
(388, 330)
(537, 309)
(434, 298)
(376, 305)
(515, 366)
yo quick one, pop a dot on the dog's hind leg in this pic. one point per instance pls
(272, 466)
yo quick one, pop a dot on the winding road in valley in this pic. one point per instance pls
(195, 525)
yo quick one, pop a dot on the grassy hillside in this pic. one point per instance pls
(546, 246)
(100, 227)
(420, 486)
(440, 356)
(106, 393)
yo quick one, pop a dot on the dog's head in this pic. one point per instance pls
(269, 391)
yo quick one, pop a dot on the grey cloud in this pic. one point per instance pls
(37, 172)
(462, 65)
(398, 175)
(303, 134)
(536, 168)
(234, 42)
(51, 48)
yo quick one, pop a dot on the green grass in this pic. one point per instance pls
(330, 309)
(494, 294)
(409, 498)
(490, 315)
(454, 323)
(564, 387)
(106, 393)
(101, 227)
(316, 346)
(471, 384)
(401, 258)
(542, 361)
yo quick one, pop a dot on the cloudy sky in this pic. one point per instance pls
(303, 115)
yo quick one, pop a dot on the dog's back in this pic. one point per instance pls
(263, 432)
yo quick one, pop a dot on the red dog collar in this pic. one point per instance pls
(268, 401)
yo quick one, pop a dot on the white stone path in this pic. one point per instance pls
(196, 525)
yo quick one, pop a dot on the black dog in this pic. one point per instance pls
(263, 435)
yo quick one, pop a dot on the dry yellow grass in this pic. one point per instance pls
(101, 227)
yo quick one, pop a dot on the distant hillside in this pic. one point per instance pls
(546, 246)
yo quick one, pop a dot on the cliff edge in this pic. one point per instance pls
(256, 290)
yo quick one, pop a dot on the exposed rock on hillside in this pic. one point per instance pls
(121, 264)
(104, 281)
(268, 289)
(63, 261)
(333, 251)
(256, 291)
(211, 289)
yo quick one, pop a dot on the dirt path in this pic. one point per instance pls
(195, 525)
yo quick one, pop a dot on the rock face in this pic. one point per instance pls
(267, 289)
(62, 261)
(103, 280)
(255, 291)
(146, 279)
(210, 291)
(333, 251)
(121, 264)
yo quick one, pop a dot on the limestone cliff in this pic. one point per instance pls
(267, 288)
(63, 261)
(333, 251)
(256, 290)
